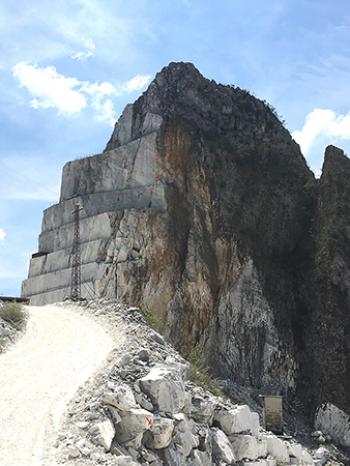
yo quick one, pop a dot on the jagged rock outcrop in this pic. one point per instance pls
(202, 208)
(325, 322)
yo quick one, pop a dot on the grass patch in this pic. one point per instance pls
(150, 318)
(199, 372)
(14, 314)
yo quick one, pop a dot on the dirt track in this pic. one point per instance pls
(39, 375)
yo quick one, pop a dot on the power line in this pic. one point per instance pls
(90, 290)
(22, 177)
(91, 294)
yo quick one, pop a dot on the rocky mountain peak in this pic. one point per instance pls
(178, 71)
(336, 163)
(180, 92)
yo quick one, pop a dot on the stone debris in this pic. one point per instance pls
(237, 420)
(183, 424)
(222, 448)
(133, 424)
(276, 447)
(103, 433)
(165, 388)
(121, 397)
(322, 455)
(126, 461)
(72, 452)
(160, 434)
(297, 451)
(248, 447)
(184, 438)
(202, 409)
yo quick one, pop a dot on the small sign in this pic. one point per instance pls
(273, 413)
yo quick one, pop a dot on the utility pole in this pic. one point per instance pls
(75, 287)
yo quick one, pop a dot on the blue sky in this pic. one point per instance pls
(67, 69)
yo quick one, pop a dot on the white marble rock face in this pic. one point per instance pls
(118, 181)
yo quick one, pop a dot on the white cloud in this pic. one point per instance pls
(322, 123)
(105, 111)
(68, 95)
(138, 82)
(50, 89)
(103, 106)
(86, 54)
(2, 234)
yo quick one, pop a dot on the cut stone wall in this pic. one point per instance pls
(107, 186)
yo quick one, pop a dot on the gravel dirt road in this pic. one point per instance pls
(39, 375)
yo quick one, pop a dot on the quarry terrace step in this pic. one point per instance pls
(59, 294)
(125, 167)
(139, 197)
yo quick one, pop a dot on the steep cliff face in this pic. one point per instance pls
(201, 208)
(326, 327)
(234, 186)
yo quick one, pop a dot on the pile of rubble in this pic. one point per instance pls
(143, 410)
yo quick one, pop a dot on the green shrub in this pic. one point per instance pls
(150, 318)
(199, 372)
(14, 314)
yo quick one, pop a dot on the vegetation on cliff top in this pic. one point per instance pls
(199, 372)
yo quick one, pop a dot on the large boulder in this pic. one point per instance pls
(297, 452)
(200, 458)
(172, 457)
(202, 409)
(222, 448)
(321, 456)
(248, 447)
(102, 434)
(133, 424)
(184, 437)
(335, 422)
(165, 388)
(160, 434)
(237, 420)
(121, 397)
(202, 455)
(276, 447)
(126, 461)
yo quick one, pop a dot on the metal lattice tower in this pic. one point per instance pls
(75, 287)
